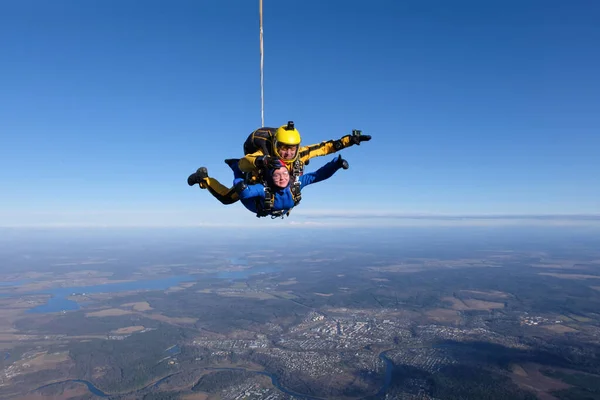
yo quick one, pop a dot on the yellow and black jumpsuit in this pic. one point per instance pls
(305, 153)
(260, 142)
(222, 193)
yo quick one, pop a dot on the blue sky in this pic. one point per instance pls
(474, 107)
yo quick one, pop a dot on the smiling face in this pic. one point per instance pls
(287, 152)
(281, 177)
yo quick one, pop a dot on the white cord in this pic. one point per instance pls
(262, 101)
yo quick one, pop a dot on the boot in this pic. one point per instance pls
(232, 161)
(198, 177)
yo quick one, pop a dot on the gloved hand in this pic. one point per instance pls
(240, 187)
(268, 162)
(358, 137)
(341, 163)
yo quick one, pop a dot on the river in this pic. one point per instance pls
(389, 366)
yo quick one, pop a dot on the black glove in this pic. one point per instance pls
(240, 186)
(341, 163)
(358, 137)
(267, 162)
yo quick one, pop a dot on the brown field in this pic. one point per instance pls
(579, 318)
(569, 276)
(250, 295)
(13, 307)
(195, 396)
(129, 329)
(420, 264)
(139, 306)
(289, 282)
(491, 293)
(10, 311)
(284, 295)
(457, 304)
(324, 294)
(109, 296)
(87, 273)
(472, 304)
(39, 361)
(110, 312)
(171, 320)
(12, 337)
(66, 282)
(443, 315)
(518, 370)
(564, 318)
(534, 380)
(68, 390)
(559, 328)
(86, 338)
(482, 305)
(45, 361)
(406, 314)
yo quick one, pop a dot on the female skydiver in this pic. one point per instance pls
(273, 197)
(276, 197)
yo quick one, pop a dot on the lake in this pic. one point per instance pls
(59, 302)
(59, 296)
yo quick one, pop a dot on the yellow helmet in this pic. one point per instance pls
(288, 136)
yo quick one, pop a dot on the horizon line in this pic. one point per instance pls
(325, 219)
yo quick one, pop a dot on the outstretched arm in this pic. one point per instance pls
(331, 146)
(325, 172)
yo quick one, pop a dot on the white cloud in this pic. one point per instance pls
(241, 218)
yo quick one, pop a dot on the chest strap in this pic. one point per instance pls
(265, 208)
(297, 171)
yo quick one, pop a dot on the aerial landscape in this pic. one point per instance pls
(376, 314)
(310, 200)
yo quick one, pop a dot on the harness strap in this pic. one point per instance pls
(297, 170)
(265, 208)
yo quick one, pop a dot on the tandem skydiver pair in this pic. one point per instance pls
(268, 180)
